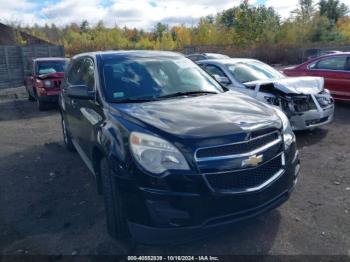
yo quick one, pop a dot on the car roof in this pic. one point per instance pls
(50, 59)
(335, 54)
(228, 60)
(324, 56)
(130, 53)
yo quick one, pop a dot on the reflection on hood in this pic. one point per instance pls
(203, 116)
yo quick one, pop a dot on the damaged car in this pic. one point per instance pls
(43, 79)
(304, 100)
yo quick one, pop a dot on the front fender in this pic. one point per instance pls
(112, 141)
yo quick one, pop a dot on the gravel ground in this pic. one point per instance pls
(49, 204)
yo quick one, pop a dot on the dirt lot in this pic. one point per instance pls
(49, 203)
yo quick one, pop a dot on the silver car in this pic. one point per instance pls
(304, 100)
(203, 56)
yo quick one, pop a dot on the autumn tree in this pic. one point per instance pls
(333, 9)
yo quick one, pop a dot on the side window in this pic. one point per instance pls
(214, 70)
(201, 57)
(331, 63)
(74, 73)
(347, 67)
(192, 57)
(87, 73)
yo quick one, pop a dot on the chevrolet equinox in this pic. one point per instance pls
(174, 153)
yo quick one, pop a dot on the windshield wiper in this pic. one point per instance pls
(136, 100)
(187, 93)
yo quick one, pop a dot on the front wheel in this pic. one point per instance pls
(66, 137)
(116, 218)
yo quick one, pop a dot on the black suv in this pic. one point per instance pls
(173, 152)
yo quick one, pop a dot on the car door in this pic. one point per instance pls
(89, 113)
(71, 113)
(333, 70)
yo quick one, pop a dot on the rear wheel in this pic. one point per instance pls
(116, 218)
(66, 137)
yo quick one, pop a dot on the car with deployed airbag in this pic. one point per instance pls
(175, 154)
(304, 100)
(43, 79)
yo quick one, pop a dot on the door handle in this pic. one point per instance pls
(74, 102)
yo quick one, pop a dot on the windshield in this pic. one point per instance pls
(47, 67)
(250, 71)
(153, 77)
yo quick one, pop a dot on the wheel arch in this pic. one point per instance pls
(97, 155)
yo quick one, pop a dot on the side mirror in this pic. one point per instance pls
(222, 79)
(80, 92)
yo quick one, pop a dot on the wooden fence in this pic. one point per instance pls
(14, 61)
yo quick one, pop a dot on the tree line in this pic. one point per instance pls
(244, 26)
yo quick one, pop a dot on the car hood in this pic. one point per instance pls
(294, 85)
(51, 75)
(202, 116)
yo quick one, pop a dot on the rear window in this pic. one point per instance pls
(245, 72)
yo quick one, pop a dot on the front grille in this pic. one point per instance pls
(303, 103)
(316, 121)
(242, 180)
(57, 83)
(238, 148)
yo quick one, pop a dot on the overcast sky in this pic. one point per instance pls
(131, 13)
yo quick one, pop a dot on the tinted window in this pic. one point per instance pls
(348, 63)
(192, 57)
(250, 71)
(81, 72)
(153, 77)
(74, 72)
(201, 57)
(214, 70)
(87, 73)
(331, 63)
(47, 67)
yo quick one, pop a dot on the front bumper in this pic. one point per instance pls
(49, 95)
(160, 216)
(50, 98)
(176, 235)
(312, 118)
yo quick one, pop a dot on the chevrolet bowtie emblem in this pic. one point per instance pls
(252, 161)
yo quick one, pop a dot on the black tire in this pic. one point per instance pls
(41, 104)
(66, 137)
(115, 215)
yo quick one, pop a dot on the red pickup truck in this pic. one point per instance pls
(44, 79)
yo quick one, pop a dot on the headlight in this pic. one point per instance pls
(155, 154)
(47, 83)
(288, 135)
